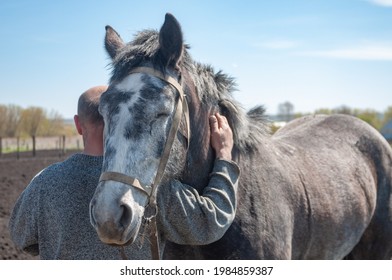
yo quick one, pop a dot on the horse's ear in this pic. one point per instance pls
(170, 41)
(113, 41)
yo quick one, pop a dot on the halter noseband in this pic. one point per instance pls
(151, 191)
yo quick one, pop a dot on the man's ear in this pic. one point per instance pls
(78, 125)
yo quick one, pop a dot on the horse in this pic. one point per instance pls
(318, 188)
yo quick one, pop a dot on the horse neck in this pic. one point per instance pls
(200, 156)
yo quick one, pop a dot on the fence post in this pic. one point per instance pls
(63, 145)
(34, 152)
(59, 146)
(17, 148)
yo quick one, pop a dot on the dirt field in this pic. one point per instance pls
(15, 174)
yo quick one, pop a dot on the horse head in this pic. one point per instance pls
(154, 80)
(140, 107)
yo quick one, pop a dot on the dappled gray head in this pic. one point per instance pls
(137, 110)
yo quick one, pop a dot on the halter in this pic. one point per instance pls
(151, 191)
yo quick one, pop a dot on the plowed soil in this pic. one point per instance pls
(15, 174)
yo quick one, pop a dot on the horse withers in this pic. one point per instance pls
(319, 188)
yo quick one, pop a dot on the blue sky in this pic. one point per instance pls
(313, 53)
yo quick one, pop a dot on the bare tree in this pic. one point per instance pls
(31, 120)
(387, 115)
(343, 110)
(52, 125)
(12, 123)
(370, 116)
(9, 122)
(286, 111)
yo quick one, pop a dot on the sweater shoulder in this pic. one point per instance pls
(75, 165)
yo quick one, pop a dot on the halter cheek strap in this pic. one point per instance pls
(151, 191)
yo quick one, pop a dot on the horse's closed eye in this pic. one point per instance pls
(162, 115)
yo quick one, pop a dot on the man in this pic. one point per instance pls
(51, 216)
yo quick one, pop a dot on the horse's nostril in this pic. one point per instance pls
(126, 216)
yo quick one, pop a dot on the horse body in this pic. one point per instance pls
(316, 195)
(320, 188)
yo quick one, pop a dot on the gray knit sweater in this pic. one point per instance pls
(51, 216)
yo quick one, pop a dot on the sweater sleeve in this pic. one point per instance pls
(193, 219)
(23, 221)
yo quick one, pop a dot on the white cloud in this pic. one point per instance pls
(377, 52)
(386, 3)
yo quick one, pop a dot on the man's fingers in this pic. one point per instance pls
(218, 122)
(221, 136)
(214, 123)
(222, 121)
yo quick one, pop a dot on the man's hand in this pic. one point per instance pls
(221, 136)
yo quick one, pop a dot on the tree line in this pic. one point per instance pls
(374, 118)
(18, 122)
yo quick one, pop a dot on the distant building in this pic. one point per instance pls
(386, 131)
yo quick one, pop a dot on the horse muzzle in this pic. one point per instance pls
(115, 221)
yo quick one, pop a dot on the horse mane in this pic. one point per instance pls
(215, 88)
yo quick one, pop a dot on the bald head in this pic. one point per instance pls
(88, 105)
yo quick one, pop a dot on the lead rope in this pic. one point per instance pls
(155, 250)
(147, 222)
(122, 253)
